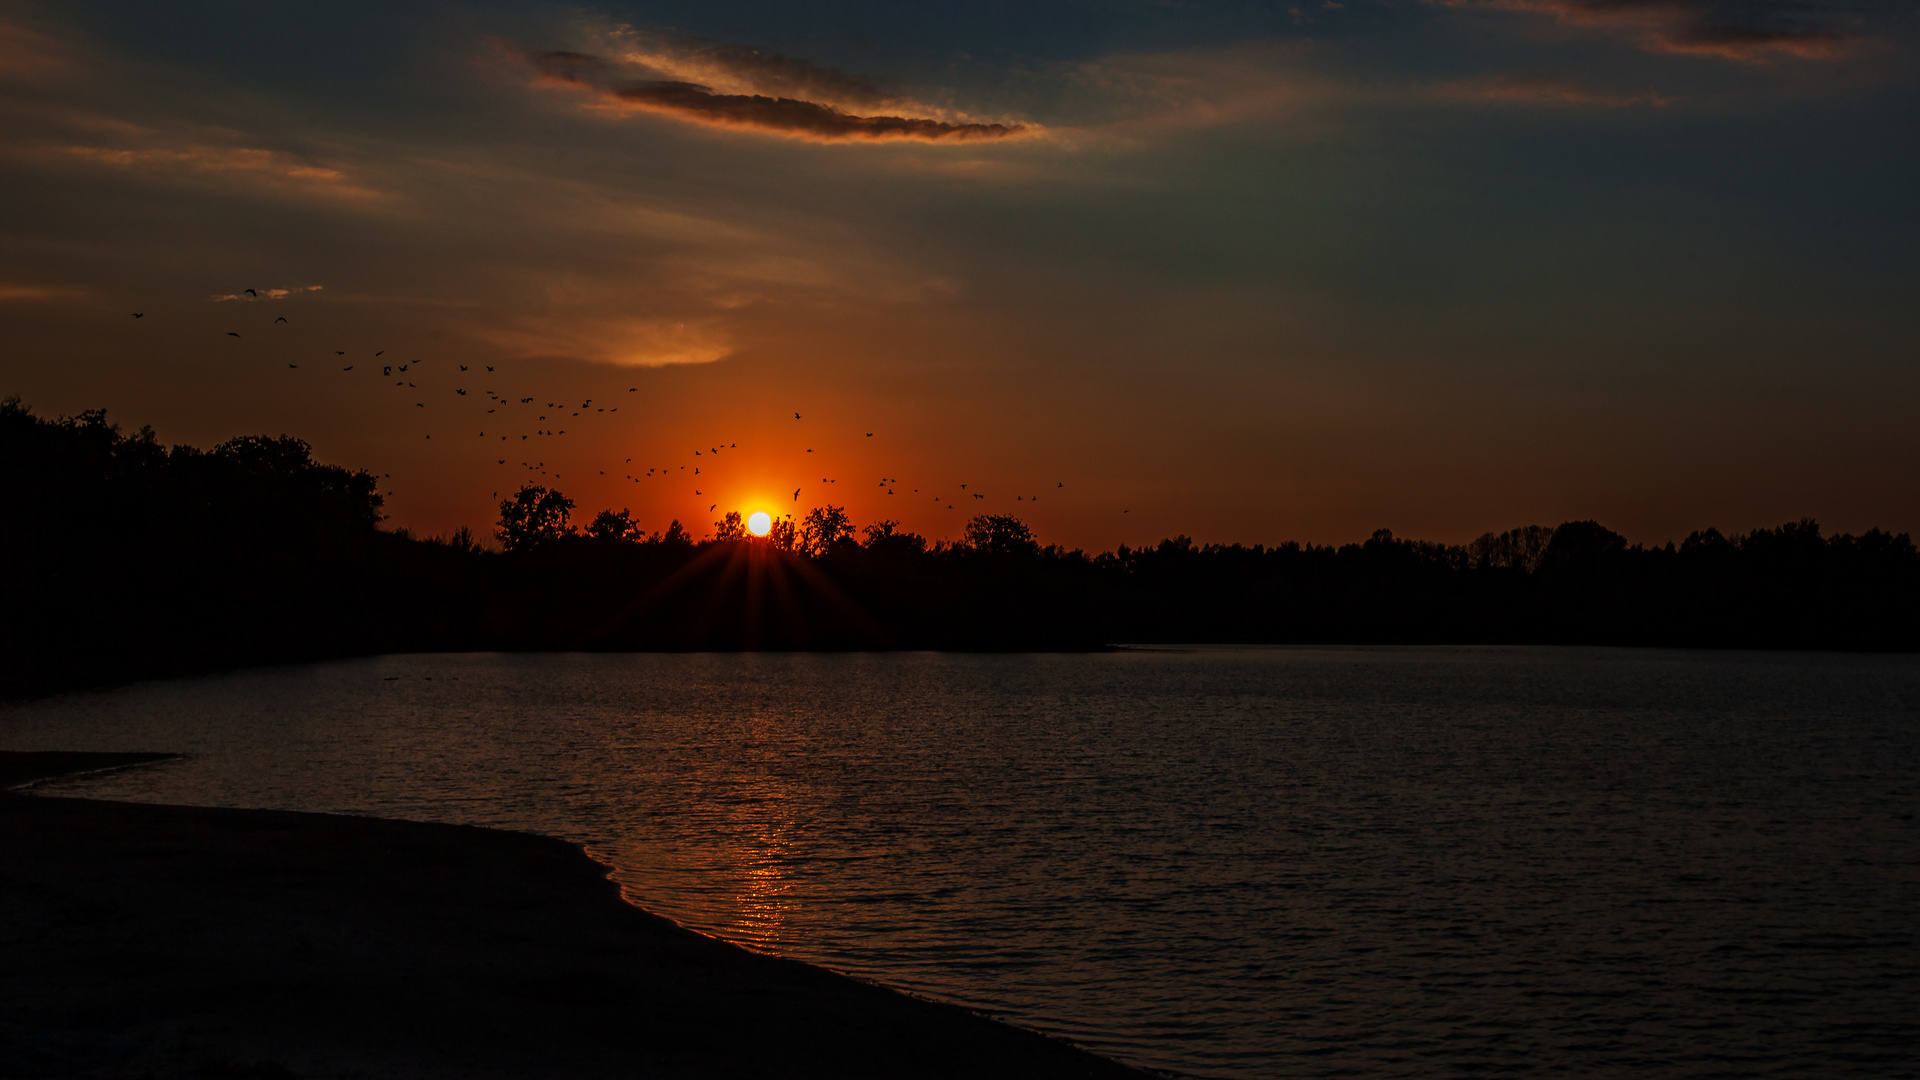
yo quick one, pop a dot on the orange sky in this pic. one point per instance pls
(1299, 280)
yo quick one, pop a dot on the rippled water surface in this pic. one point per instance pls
(1227, 863)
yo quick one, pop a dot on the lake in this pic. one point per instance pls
(1219, 862)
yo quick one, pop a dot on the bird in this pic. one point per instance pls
(339, 352)
(293, 365)
(349, 367)
(796, 494)
(1061, 484)
(710, 508)
(796, 416)
(382, 352)
(403, 367)
(139, 314)
(232, 334)
(463, 367)
(869, 434)
(281, 319)
(253, 294)
(489, 367)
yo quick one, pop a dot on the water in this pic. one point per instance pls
(1226, 863)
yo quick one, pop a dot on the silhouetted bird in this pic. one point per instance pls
(349, 367)
(139, 314)
(253, 294)
(489, 367)
(796, 494)
(796, 416)
(383, 352)
(339, 352)
(232, 334)
(281, 319)
(869, 434)
(463, 367)
(293, 365)
(1061, 484)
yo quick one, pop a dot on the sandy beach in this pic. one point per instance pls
(175, 941)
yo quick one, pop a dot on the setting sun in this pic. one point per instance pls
(759, 524)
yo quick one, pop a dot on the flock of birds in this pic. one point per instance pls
(526, 419)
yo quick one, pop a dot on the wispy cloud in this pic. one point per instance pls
(35, 292)
(1746, 31)
(1524, 90)
(614, 86)
(630, 342)
(267, 294)
(27, 55)
(252, 165)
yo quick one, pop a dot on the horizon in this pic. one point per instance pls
(1249, 275)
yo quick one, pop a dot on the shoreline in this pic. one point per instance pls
(175, 941)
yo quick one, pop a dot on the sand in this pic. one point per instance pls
(173, 941)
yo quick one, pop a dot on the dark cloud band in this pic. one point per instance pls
(759, 112)
(1740, 31)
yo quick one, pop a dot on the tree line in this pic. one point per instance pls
(127, 559)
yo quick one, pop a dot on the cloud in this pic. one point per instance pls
(28, 55)
(623, 341)
(35, 292)
(1747, 32)
(1522, 90)
(764, 72)
(268, 167)
(268, 294)
(754, 111)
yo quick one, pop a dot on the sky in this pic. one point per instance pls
(1248, 272)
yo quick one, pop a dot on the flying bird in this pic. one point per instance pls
(139, 314)
(869, 434)
(463, 367)
(382, 352)
(796, 491)
(253, 294)
(796, 416)
(349, 367)
(339, 352)
(232, 334)
(281, 319)
(293, 365)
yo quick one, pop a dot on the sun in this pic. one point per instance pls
(759, 524)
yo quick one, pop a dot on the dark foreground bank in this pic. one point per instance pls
(170, 941)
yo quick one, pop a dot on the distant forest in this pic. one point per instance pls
(129, 559)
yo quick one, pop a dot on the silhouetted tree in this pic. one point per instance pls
(885, 536)
(610, 525)
(1000, 534)
(532, 517)
(729, 528)
(781, 535)
(823, 527)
